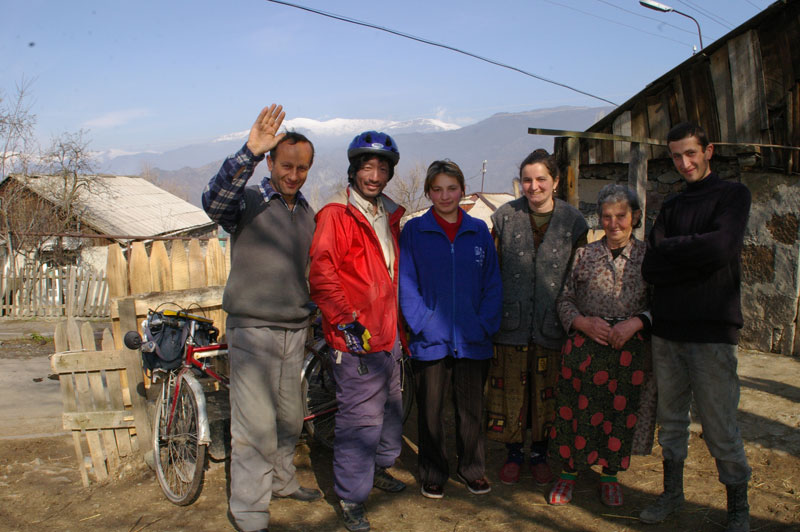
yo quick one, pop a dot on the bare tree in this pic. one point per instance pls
(16, 130)
(408, 189)
(36, 209)
(16, 135)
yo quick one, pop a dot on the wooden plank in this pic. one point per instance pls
(110, 445)
(87, 336)
(114, 383)
(117, 381)
(84, 404)
(723, 94)
(180, 266)
(139, 270)
(69, 404)
(206, 298)
(116, 272)
(216, 271)
(747, 88)
(82, 287)
(60, 340)
(658, 122)
(639, 125)
(197, 265)
(573, 172)
(622, 126)
(101, 405)
(74, 335)
(133, 371)
(677, 110)
(70, 293)
(127, 319)
(108, 419)
(637, 181)
(160, 271)
(107, 343)
(83, 361)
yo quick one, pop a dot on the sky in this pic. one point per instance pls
(156, 74)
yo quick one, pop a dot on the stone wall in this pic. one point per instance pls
(771, 254)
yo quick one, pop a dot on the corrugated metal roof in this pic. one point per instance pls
(124, 205)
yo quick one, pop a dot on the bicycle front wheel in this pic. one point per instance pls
(179, 458)
(319, 407)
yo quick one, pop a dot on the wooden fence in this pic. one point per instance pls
(66, 291)
(188, 277)
(101, 394)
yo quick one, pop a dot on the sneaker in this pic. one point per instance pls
(611, 493)
(354, 516)
(561, 492)
(542, 474)
(386, 482)
(509, 473)
(479, 486)
(432, 491)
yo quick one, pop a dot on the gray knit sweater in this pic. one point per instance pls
(269, 259)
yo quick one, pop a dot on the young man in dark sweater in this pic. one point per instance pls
(693, 263)
(267, 301)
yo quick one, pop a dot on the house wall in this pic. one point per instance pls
(771, 254)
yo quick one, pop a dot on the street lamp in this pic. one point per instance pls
(657, 6)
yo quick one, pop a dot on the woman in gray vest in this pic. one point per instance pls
(536, 236)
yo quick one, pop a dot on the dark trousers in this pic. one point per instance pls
(466, 378)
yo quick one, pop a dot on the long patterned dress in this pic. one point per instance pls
(599, 389)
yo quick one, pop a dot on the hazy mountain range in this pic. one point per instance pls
(502, 140)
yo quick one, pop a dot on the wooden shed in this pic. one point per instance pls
(744, 90)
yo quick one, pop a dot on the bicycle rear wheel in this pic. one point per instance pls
(179, 458)
(319, 408)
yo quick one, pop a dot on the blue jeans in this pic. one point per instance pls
(369, 422)
(707, 372)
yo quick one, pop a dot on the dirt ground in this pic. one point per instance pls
(40, 486)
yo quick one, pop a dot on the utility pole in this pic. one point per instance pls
(483, 175)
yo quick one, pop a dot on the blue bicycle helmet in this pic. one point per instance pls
(374, 142)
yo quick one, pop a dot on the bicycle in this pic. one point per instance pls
(187, 371)
(183, 357)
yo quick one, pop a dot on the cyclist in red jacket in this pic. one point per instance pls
(353, 279)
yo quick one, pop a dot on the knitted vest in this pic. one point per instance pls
(532, 279)
(269, 259)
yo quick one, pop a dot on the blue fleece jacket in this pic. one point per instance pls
(450, 293)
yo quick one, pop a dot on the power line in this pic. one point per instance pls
(615, 22)
(440, 45)
(719, 20)
(648, 18)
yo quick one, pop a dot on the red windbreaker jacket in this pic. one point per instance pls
(348, 273)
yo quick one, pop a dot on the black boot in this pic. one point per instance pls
(738, 509)
(671, 499)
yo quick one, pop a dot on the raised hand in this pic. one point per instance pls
(263, 135)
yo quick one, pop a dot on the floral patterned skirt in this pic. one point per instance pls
(597, 402)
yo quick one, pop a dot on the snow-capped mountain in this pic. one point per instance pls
(336, 130)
